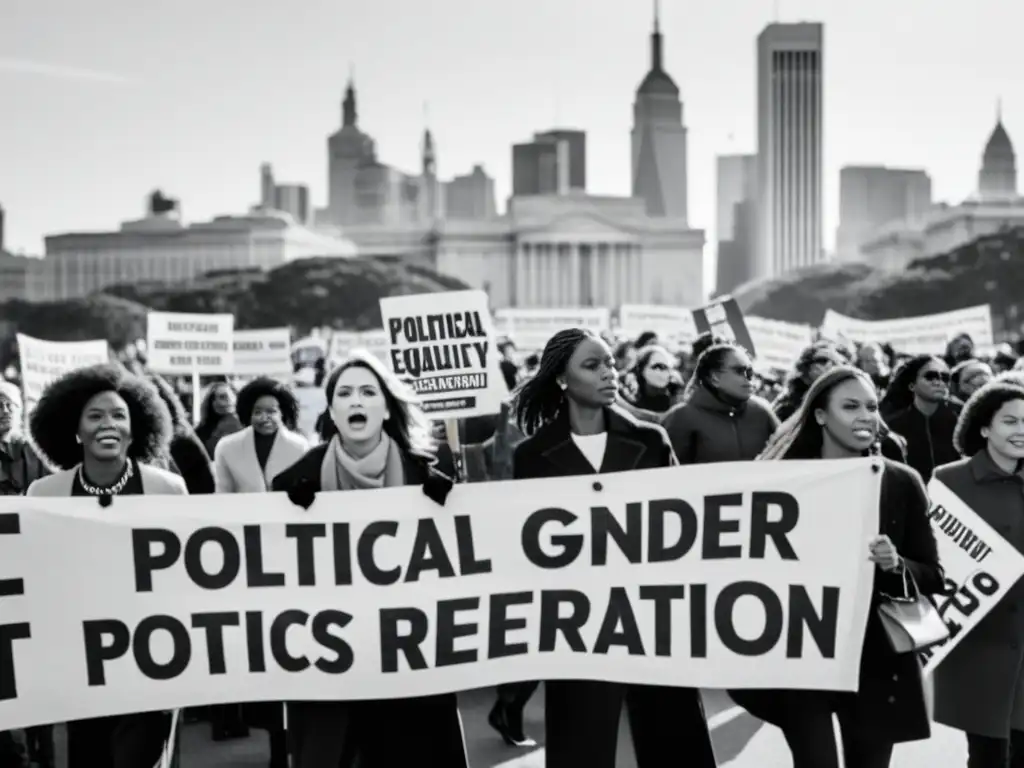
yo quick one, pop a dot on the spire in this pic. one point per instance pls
(999, 109)
(429, 157)
(349, 113)
(656, 65)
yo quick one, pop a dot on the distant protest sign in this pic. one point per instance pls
(671, 324)
(263, 352)
(921, 335)
(530, 328)
(676, 576)
(443, 346)
(43, 361)
(980, 567)
(188, 344)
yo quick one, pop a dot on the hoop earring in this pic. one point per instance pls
(78, 439)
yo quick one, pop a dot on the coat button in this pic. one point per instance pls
(598, 486)
(895, 678)
(892, 699)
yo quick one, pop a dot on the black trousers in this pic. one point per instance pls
(122, 741)
(987, 752)
(390, 733)
(581, 721)
(13, 751)
(805, 719)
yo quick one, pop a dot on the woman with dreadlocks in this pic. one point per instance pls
(838, 419)
(574, 427)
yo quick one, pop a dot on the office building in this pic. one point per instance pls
(790, 79)
(736, 190)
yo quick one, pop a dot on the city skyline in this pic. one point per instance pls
(138, 114)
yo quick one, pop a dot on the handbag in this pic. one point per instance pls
(912, 622)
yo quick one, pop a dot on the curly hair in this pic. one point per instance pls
(264, 386)
(800, 436)
(539, 399)
(208, 418)
(180, 422)
(898, 396)
(979, 411)
(704, 342)
(795, 388)
(54, 423)
(408, 425)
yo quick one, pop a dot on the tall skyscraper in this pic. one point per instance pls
(871, 197)
(790, 78)
(267, 186)
(293, 199)
(736, 181)
(552, 164)
(659, 138)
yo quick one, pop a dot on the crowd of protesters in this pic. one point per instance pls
(580, 406)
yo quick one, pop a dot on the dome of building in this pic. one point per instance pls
(999, 147)
(658, 83)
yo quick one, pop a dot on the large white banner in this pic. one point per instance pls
(922, 335)
(980, 566)
(777, 342)
(671, 324)
(679, 576)
(43, 361)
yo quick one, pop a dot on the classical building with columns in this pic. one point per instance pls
(571, 250)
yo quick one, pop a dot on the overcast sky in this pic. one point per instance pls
(102, 101)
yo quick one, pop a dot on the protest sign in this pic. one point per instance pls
(263, 352)
(188, 344)
(443, 346)
(676, 576)
(779, 344)
(921, 335)
(723, 317)
(43, 361)
(672, 324)
(980, 567)
(530, 328)
(343, 343)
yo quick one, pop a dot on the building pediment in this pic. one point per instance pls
(576, 226)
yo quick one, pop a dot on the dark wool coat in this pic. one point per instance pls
(978, 683)
(890, 703)
(929, 439)
(706, 430)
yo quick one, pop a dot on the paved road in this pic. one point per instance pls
(740, 741)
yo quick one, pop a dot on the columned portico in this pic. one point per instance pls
(573, 272)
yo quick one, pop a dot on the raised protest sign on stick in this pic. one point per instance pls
(980, 567)
(443, 346)
(190, 344)
(263, 352)
(675, 576)
(43, 361)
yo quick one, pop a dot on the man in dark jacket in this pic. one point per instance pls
(19, 467)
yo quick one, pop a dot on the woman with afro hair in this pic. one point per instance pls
(247, 462)
(101, 428)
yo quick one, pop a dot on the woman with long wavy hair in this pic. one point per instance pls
(375, 436)
(839, 419)
(101, 428)
(217, 417)
(574, 426)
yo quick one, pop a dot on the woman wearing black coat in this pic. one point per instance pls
(375, 436)
(574, 427)
(839, 419)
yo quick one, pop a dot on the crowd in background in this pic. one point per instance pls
(121, 429)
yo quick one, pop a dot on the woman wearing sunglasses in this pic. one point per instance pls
(720, 418)
(918, 407)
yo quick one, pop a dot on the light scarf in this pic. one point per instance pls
(381, 468)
